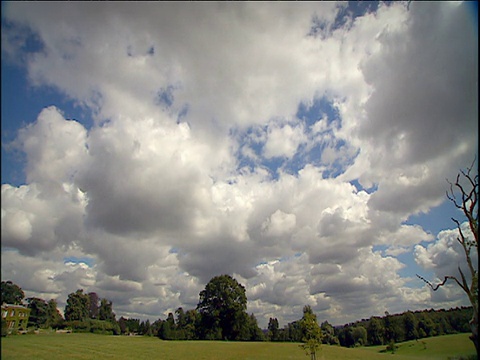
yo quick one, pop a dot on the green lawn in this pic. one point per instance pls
(440, 347)
(53, 346)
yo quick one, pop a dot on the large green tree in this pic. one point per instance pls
(328, 334)
(273, 329)
(43, 314)
(77, 307)
(54, 318)
(105, 311)
(94, 307)
(38, 312)
(464, 195)
(11, 293)
(222, 307)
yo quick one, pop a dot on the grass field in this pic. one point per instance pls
(53, 346)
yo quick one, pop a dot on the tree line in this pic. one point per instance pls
(221, 315)
(83, 312)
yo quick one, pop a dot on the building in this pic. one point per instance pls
(16, 317)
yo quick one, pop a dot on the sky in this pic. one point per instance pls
(301, 147)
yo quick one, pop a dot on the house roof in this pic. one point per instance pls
(5, 305)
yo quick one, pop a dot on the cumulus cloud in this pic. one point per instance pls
(283, 141)
(198, 164)
(405, 107)
(445, 254)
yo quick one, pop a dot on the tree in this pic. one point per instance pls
(122, 323)
(426, 327)
(77, 307)
(254, 332)
(93, 308)
(467, 184)
(394, 329)
(312, 334)
(375, 331)
(411, 324)
(148, 328)
(328, 334)
(359, 334)
(105, 311)
(273, 329)
(38, 312)
(192, 320)
(133, 325)
(181, 318)
(11, 293)
(54, 318)
(222, 307)
(167, 328)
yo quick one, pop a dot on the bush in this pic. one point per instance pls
(104, 327)
(94, 326)
(392, 347)
(78, 326)
(4, 328)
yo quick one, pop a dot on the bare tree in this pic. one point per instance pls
(467, 184)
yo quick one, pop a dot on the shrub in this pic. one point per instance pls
(392, 347)
(4, 328)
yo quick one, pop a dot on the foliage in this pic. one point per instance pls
(94, 326)
(191, 324)
(411, 325)
(54, 318)
(83, 316)
(43, 314)
(251, 330)
(312, 334)
(11, 293)
(222, 307)
(405, 326)
(94, 307)
(38, 312)
(375, 331)
(4, 331)
(392, 347)
(105, 311)
(328, 334)
(78, 305)
(273, 332)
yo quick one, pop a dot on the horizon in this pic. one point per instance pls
(25, 304)
(302, 148)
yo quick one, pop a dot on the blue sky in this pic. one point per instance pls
(301, 147)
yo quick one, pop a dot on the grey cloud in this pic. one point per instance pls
(223, 256)
(424, 102)
(422, 115)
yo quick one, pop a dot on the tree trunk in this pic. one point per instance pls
(474, 336)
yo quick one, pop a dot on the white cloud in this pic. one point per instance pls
(54, 147)
(283, 141)
(36, 220)
(445, 254)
